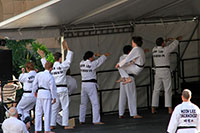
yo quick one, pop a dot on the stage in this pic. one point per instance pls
(156, 123)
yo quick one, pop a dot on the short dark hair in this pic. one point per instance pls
(57, 56)
(159, 41)
(30, 65)
(137, 40)
(127, 49)
(88, 55)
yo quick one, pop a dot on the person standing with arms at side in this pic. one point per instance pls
(128, 91)
(59, 73)
(88, 68)
(134, 61)
(28, 99)
(161, 55)
(44, 88)
(185, 117)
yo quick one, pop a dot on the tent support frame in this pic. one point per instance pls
(196, 27)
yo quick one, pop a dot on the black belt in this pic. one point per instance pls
(132, 75)
(91, 80)
(162, 66)
(27, 91)
(184, 127)
(41, 88)
(139, 65)
(61, 85)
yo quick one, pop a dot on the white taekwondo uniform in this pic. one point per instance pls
(163, 73)
(13, 125)
(62, 101)
(185, 119)
(45, 84)
(28, 99)
(128, 91)
(89, 88)
(72, 86)
(133, 63)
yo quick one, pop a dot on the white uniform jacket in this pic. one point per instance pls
(27, 80)
(185, 115)
(136, 55)
(59, 71)
(161, 55)
(45, 80)
(13, 125)
(88, 68)
(71, 84)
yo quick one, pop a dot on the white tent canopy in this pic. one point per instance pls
(61, 16)
(57, 14)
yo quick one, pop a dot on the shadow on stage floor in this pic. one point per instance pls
(156, 123)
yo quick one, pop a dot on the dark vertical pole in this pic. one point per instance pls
(174, 75)
(196, 27)
(183, 74)
(100, 98)
(151, 83)
(178, 65)
(148, 103)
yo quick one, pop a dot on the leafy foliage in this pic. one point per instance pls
(21, 54)
(49, 55)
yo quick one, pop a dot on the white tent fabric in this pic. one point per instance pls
(31, 34)
(114, 44)
(48, 19)
(68, 13)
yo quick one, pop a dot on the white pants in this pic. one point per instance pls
(60, 116)
(131, 69)
(25, 105)
(43, 105)
(128, 91)
(62, 102)
(162, 78)
(59, 119)
(188, 130)
(89, 90)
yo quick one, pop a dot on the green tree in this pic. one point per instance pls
(21, 54)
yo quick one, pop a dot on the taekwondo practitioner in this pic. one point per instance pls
(13, 124)
(88, 68)
(161, 54)
(185, 117)
(44, 88)
(59, 73)
(133, 63)
(72, 86)
(28, 99)
(128, 91)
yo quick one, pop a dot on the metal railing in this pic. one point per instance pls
(182, 76)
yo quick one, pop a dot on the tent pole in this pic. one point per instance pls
(190, 39)
(62, 50)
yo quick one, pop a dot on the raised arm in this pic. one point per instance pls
(69, 56)
(174, 44)
(42, 55)
(98, 62)
(22, 76)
